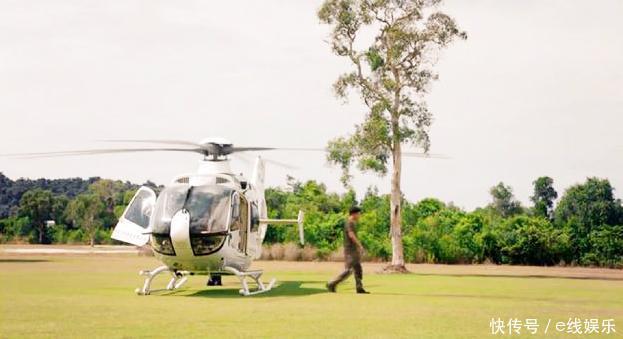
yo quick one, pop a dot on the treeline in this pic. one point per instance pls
(585, 227)
(72, 210)
(11, 191)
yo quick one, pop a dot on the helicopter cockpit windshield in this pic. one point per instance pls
(170, 200)
(209, 208)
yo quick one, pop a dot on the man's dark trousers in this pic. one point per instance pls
(352, 265)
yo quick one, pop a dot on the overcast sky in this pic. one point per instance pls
(537, 89)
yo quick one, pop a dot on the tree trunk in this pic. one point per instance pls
(92, 240)
(398, 261)
(41, 233)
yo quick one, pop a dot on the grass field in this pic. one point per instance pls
(65, 296)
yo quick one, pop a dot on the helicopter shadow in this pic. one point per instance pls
(282, 289)
(22, 260)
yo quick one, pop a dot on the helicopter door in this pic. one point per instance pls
(255, 249)
(133, 224)
(244, 230)
(240, 221)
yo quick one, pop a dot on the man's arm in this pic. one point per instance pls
(353, 237)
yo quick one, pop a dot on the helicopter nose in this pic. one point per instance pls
(180, 235)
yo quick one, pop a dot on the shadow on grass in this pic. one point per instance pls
(22, 260)
(283, 289)
(529, 276)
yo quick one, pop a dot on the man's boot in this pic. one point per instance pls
(215, 280)
(331, 287)
(360, 289)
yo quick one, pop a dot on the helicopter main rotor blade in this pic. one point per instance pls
(155, 141)
(424, 155)
(404, 154)
(251, 149)
(280, 164)
(246, 158)
(98, 151)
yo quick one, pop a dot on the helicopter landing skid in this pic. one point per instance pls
(177, 280)
(255, 275)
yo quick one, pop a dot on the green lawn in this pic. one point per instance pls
(64, 296)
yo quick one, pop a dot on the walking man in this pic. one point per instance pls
(352, 253)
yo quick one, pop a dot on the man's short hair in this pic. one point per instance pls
(354, 209)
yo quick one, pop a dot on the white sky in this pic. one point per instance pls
(537, 89)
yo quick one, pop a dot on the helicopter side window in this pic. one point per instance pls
(239, 213)
(235, 213)
(255, 218)
(139, 211)
(240, 219)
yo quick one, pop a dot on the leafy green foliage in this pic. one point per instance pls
(586, 229)
(406, 38)
(584, 209)
(504, 202)
(531, 240)
(606, 245)
(11, 191)
(543, 197)
(86, 212)
(40, 207)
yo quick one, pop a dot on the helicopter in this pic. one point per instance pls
(210, 222)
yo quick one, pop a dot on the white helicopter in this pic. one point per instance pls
(211, 222)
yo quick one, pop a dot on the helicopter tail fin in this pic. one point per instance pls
(259, 173)
(257, 181)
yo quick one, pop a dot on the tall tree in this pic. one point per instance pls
(40, 206)
(391, 73)
(111, 193)
(544, 196)
(504, 201)
(84, 211)
(587, 207)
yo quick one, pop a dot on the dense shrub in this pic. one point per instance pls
(532, 240)
(606, 245)
(586, 227)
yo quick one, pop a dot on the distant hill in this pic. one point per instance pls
(11, 190)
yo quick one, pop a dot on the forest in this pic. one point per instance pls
(582, 226)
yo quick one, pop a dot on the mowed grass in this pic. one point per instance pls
(63, 296)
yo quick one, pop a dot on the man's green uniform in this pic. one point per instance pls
(352, 259)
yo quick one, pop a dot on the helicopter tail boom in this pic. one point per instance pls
(298, 221)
